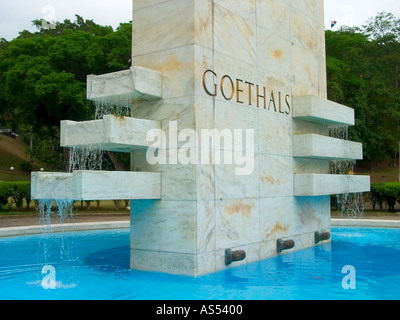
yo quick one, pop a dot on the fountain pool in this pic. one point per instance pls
(95, 265)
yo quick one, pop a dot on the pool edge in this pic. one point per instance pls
(375, 223)
(85, 226)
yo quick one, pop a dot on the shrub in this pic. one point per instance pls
(21, 191)
(385, 192)
(25, 189)
(18, 191)
(5, 193)
(377, 195)
(4, 208)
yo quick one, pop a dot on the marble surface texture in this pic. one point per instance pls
(327, 184)
(124, 87)
(112, 133)
(319, 110)
(96, 185)
(322, 147)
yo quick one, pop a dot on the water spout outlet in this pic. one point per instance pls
(322, 236)
(282, 245)
(234, 256)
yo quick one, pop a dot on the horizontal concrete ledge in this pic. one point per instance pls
(309, 185)
(96, 185)
(322, 111)
(112, 133)
(124, 87)
(366, 223)
(322, 147)
(70, 227)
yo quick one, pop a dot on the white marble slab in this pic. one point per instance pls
(96, 185)
(236, 222)
(326, 184)
(275, 134)
(234, 35)
(162, 26)
(276, 175)
(322, 147)
(274, 16)
(123, 87)
(163, 226)
(112, 133)
(51, 185)
(320, 110)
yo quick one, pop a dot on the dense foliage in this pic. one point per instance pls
(43, 78)
(363, 73)
(14, 192)
(382, 193)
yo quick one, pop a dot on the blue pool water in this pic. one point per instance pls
(95, 265)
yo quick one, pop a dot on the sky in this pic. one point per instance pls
(356, 12)
(16, 15)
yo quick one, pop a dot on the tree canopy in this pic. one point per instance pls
(363, 73)
(43, 76)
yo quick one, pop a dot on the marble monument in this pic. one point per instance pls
(228, 134)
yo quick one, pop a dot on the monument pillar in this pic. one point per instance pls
(243, 103)
(229, 135)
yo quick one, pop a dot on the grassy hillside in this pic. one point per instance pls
(13, 154)
(382, 173)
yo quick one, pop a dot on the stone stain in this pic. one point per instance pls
(277, 228)
(239, 207)
(120, 118)
(308, 72)
(277, 54)
(203, 26)
(171, 64)
(269, 180)
(238, 24)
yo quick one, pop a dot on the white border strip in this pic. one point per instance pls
(32, 230)
(366, 223)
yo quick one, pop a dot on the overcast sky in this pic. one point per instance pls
(16, 15)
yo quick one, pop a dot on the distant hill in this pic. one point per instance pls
(13, 154)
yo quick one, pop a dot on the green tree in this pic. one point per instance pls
(362, 67)
(43, 78)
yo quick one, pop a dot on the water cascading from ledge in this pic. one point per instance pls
(349, 204)
(89, 157)
(64, 209)
(81, 158)
(103, 108)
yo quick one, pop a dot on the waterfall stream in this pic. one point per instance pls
(351, 205)
(89, 157)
